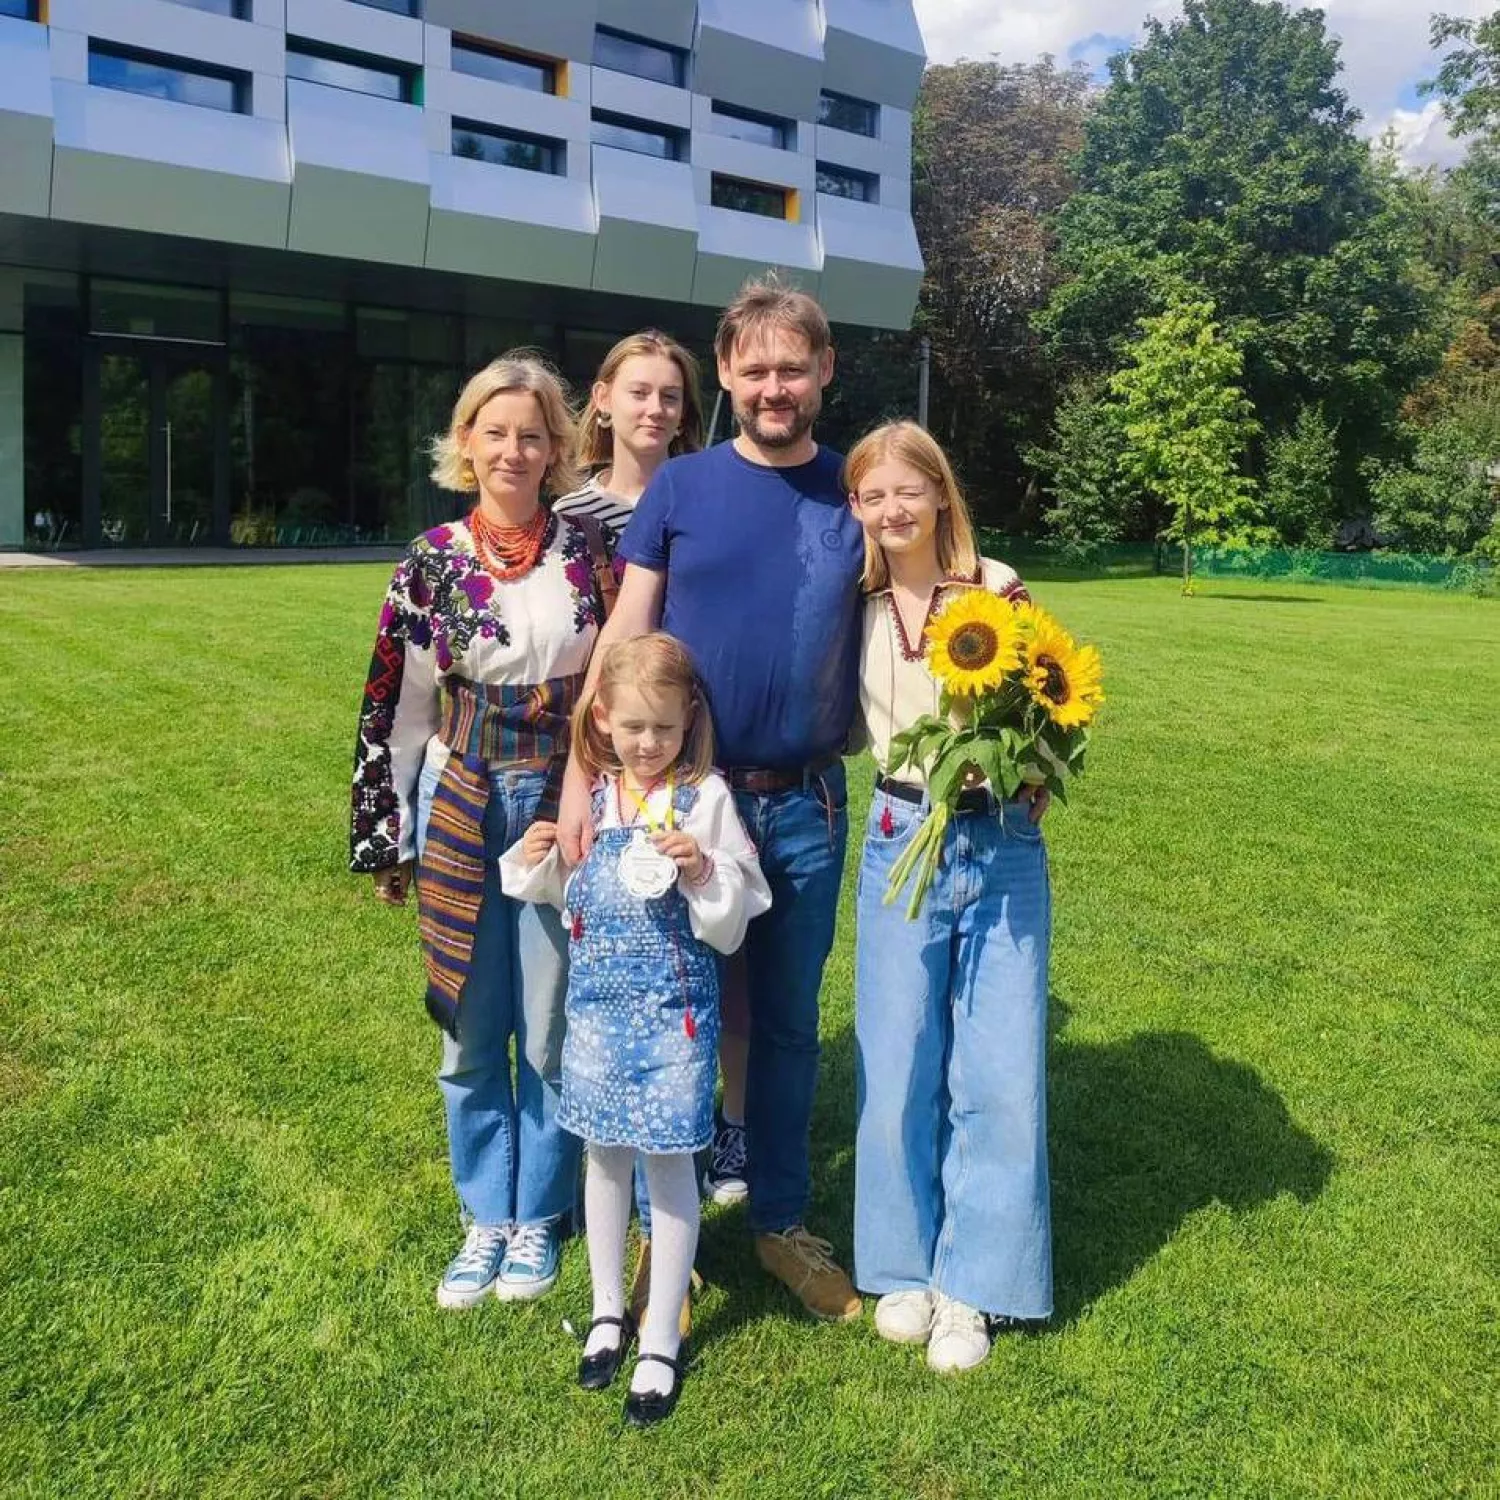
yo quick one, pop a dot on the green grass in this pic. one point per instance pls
(223, 1185)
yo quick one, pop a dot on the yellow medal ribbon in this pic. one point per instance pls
(642, 806)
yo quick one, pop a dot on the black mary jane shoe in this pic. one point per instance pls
(649, 1408)
(596, 1372)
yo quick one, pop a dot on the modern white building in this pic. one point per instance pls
(248, 248)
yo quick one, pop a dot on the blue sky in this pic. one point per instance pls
(1383, 45)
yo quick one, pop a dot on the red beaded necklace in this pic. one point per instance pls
(507, 552)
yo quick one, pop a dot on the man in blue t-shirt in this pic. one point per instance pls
(750, 555)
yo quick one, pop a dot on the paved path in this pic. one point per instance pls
(197, 557)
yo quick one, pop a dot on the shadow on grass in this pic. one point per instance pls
(1143, 1133)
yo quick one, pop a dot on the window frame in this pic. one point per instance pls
(485, 130)
(675, 138)
(730, 180)
(832, 96)
(407, 75)
(869, 181)
(785, 130)
(238, 81)
(676, 55)
(549, 67)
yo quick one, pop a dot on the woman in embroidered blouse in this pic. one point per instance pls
(479, 659)
(645, 407)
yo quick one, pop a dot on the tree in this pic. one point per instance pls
(1223, 160)
(1187, 423)
(990, 151)
(1299, 490)
(1468, 82)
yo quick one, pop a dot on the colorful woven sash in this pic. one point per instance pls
(484, 727)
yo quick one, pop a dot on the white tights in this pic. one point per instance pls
(673, 1181)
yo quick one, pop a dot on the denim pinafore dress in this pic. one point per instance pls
(642, 1041)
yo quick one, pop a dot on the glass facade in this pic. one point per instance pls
(179, 416)
(627, 54)
(845, 182)
(509, 148)
(747, 125)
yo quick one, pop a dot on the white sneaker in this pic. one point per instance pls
(960, 1337)
(905, 1317)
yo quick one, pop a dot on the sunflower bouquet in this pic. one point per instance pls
(1017, 697)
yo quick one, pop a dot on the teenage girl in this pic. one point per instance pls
(670, 881)
(952, 1224)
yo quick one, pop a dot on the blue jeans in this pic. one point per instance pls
(800, 836)
(510, 1158)
(950, 1177)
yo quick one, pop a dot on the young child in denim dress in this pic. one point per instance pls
(670, 881)
(952, 1224)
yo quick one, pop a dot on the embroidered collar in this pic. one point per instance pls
(910, 651)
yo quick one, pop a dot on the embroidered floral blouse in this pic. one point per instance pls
(444, 616)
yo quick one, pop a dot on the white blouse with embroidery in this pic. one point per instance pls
(719, 908)
(895, 687)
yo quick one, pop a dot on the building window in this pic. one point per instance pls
(22, 10)
(168, 78)
(316, 63)
(238, 10)
(638, 135)
(845, 182)
(748, 197)
(400, 7)
(748, 125)
(857, 116)
(538, 74)
(509, 148)
(627, 54)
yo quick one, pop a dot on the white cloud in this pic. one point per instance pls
(1383, 44)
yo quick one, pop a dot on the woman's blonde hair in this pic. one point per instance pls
(515, 370)
(650, 663)
(595, 446)
(908, 443)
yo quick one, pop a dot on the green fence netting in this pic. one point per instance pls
(1290, 565)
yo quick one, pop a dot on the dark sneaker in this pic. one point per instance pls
(724, 1181)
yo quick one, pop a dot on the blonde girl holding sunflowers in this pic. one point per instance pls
(952, 1225)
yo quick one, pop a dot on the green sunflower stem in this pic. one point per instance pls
(920, 860)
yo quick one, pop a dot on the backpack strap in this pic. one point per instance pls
(605, 583)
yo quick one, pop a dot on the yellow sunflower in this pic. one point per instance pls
(1064, 678)
(973, 641)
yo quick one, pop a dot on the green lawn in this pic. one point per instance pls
(223, 1185)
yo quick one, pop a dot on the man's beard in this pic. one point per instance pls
(803, 417)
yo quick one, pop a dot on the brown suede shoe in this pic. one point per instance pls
(804, 1264)
(640, 1293)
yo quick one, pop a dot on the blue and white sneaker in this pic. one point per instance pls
(531, 1261)
(472, 1273)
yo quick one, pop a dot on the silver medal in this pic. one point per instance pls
(644, 870)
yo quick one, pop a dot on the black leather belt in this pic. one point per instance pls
(768, 780)
(976, 799)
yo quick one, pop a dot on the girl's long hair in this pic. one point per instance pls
(650, 663)
(909, 443)
(595, 447)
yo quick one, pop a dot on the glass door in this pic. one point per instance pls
(157, 437)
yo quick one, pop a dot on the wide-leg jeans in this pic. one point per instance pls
(951, 1188)
(510, 1158)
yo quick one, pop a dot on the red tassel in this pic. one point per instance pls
(577, 926)
(689, 1025)
(887, 822)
